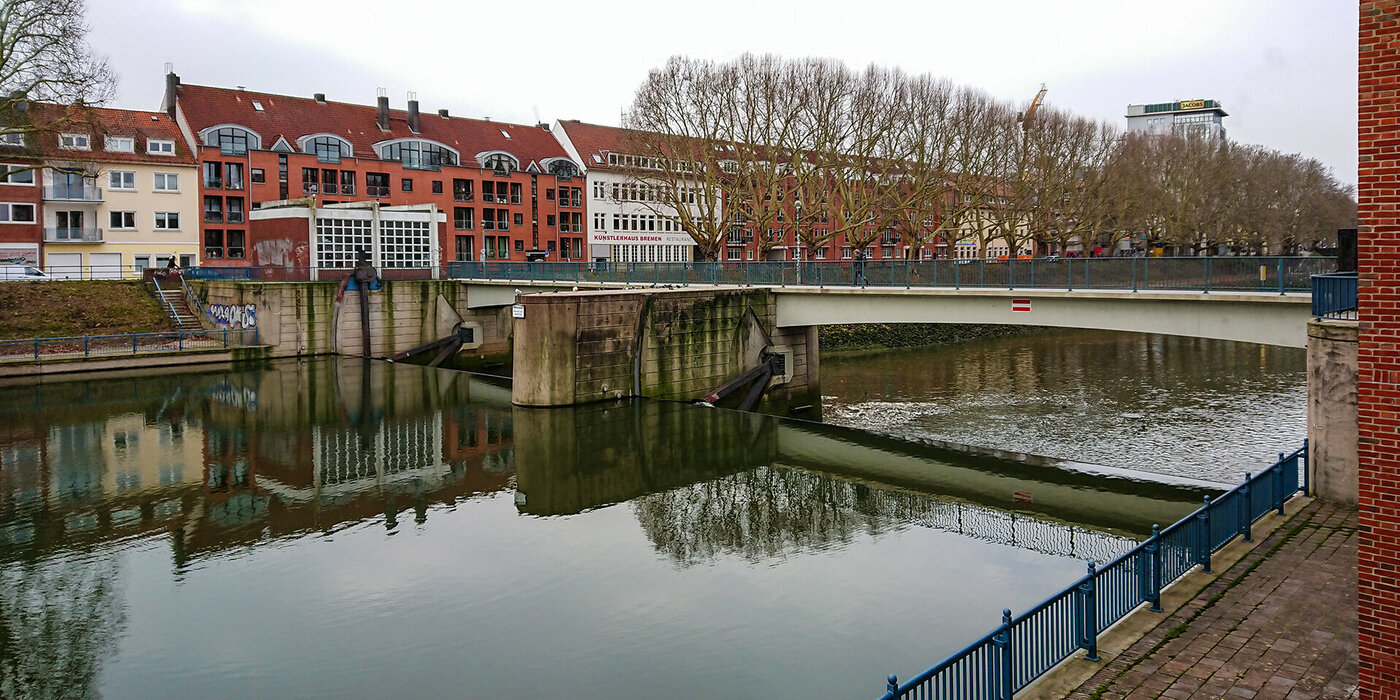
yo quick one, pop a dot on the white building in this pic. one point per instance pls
(1183, 117)
(624, 225)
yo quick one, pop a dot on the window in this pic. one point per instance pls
(121, 180)
(462, 190)
(12, 139)
(235, 244)
(121, 220)
(233, 176)
(563, 168)
(501, 163)
(167, 221)
(213, 243)
(167, 182)
(328, 149)
(213, 175)
(519, 246)
(462, 218)
(549, 195)
(214, 209)
(514, 194)
(233, 140)
(549, 220)
(120, 144)
(75, 142)
(437, 186)
(347, 182)
(256, 176)
(406, 185)
(235, 210)
(160, 147)
(418, 154)
(519, 219)
(377, 184)
(16, 175)
(16, 213)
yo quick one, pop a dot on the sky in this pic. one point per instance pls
(1284, 70)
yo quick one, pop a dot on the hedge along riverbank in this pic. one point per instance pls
(888, 336)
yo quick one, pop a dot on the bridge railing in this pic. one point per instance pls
(1025, 647)
(125, 343)
(1334, 295)
(1252, 274)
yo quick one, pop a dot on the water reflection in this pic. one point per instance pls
(208, 469)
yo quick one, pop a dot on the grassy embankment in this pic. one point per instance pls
(65, 309)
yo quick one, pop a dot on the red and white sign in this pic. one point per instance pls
(1020, 305)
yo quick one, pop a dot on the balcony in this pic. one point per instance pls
(462, 225)
(513, 200)
(310, 188)
(329, 188)
(234, 217)
(577, 203)
(502, 226)
(463, 197)
(234, 185)
(73, 193)
(214, 183)
(488, 225)
(376, 190)
(347, 189)
(70, 234)
(213, 217)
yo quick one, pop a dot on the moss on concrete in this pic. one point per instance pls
(886, 336)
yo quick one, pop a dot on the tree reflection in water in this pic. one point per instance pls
(59, 620)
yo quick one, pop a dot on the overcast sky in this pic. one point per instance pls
(1284, 70)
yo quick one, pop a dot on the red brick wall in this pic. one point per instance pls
(1378, 388)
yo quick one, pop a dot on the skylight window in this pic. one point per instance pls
(597, 159)
(504, 133)
(257, 105)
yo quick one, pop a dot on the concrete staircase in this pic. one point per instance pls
(172, 298)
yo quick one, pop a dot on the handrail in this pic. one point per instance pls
(126, 343)
(190, 297)
(155, 280)
(1138, 574)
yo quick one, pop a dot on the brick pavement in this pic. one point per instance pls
(1278, 625)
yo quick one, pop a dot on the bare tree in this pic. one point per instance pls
(45, 57)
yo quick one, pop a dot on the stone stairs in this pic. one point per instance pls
(172, 298)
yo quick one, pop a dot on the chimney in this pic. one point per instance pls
(383, 109)
(172, 85)
(413, 122)
(320, 97)
(442, 113)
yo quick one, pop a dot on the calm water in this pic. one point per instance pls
(1206, 409)
(337, 529)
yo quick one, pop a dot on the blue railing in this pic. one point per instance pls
(125, 343)
(1023, 648)
(1277, 275)
(1334, 295)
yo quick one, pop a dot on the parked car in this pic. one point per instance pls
(11, 273)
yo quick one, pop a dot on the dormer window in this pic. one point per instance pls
(327, 148)
(563, 168)
(232, 140)
(418, 153)
(501, 163)
(120, 144)
(160, 147)
(75, 142)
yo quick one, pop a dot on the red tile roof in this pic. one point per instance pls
(291, 118)
(100, 122)
(595, 139)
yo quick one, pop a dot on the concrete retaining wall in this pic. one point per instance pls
(577, 347)
(1332, 417)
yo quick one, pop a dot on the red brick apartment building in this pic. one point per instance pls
(500, 191)
(1378, 379)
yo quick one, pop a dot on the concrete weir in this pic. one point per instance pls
(581, 346)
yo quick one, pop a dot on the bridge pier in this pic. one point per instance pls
(1332, 417)
(583, 346)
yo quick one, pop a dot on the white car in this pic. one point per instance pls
(11, 273)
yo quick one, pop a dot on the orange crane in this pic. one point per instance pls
(1030, 111)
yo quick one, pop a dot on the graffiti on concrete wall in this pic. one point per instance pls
(234, 315)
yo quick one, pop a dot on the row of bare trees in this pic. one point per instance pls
(816, 152)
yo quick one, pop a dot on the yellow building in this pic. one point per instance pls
(119, 194)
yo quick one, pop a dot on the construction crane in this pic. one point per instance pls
(1030, 111)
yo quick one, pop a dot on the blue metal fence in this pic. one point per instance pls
(1023, 648)
(125, 344)
(1334, 295)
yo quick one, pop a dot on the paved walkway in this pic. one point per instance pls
(1279, 624)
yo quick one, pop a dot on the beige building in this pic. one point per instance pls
(119, 195)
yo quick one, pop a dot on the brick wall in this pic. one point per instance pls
(1378, 380)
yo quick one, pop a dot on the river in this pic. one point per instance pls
(336, 528)
(1206, 409)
